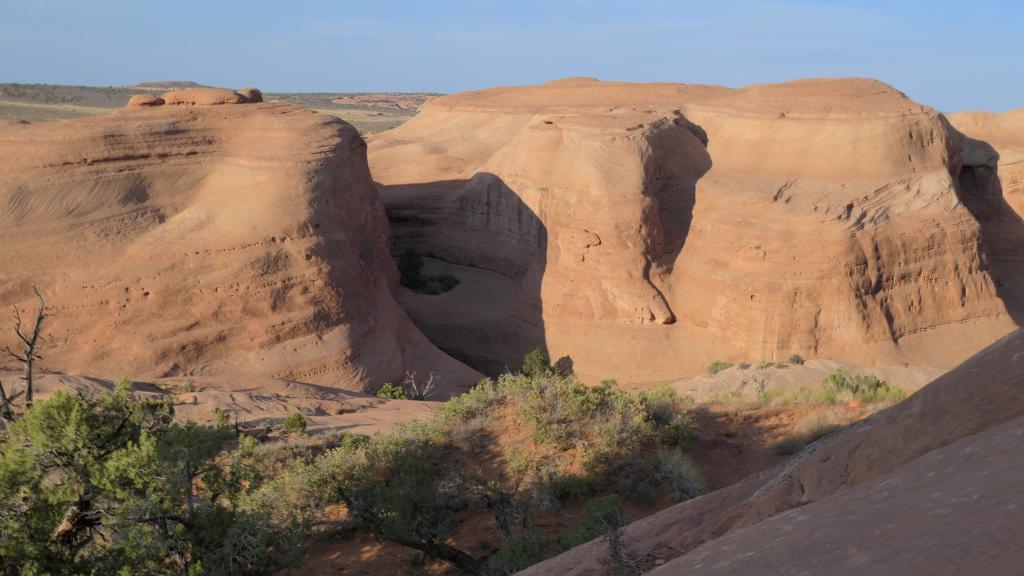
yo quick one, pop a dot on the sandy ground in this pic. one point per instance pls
(254, 403)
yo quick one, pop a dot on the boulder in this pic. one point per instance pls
(251, 94)
(202, 97)
(145, 100)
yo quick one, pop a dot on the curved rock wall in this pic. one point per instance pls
(686, 224)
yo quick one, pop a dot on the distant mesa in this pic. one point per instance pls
(390, 101)
(167, 85)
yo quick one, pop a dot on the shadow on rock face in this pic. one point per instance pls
(1002, 229)
(473, 256)
(672, 185)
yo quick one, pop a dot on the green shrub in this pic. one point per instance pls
(391, 392)
(517, 553)
(660, 403)
(611, 432)
(811, 428)
(718, 366)
(768, 396)
(570, 488)
(681, 431)
(148, 495)
(796, 359)
(889, 395)
(563, 412)
(680, 474)
(295, 423)
(599, 517)
(221, 417)
(563, 366)
(743, 365)
(398, 487)
(802, 395)
(477, 401)
(869, 389)
(536, 363)
(635, 481)
(841, 386)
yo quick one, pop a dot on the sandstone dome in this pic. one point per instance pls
(208, 240)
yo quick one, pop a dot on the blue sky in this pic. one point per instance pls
(951, 55)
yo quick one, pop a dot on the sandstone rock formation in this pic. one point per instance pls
(647, 230)
(145, 100)
(251, 95)
(202, 97)
(216, 241)
(929, 486)
(998, 189)
(1006, 133)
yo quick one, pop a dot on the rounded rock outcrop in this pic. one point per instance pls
(203, 97)
(251, 95)
(145, 100)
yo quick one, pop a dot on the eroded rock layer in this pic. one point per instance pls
(207, 240)
(646, 230)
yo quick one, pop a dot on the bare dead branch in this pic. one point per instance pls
(13, 354)
(31, 344)
(417, 390)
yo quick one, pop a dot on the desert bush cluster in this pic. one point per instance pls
(841, 386)
(813, 427)
(110, 483)
(580, 446)
(720, 366)
(838, 387)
